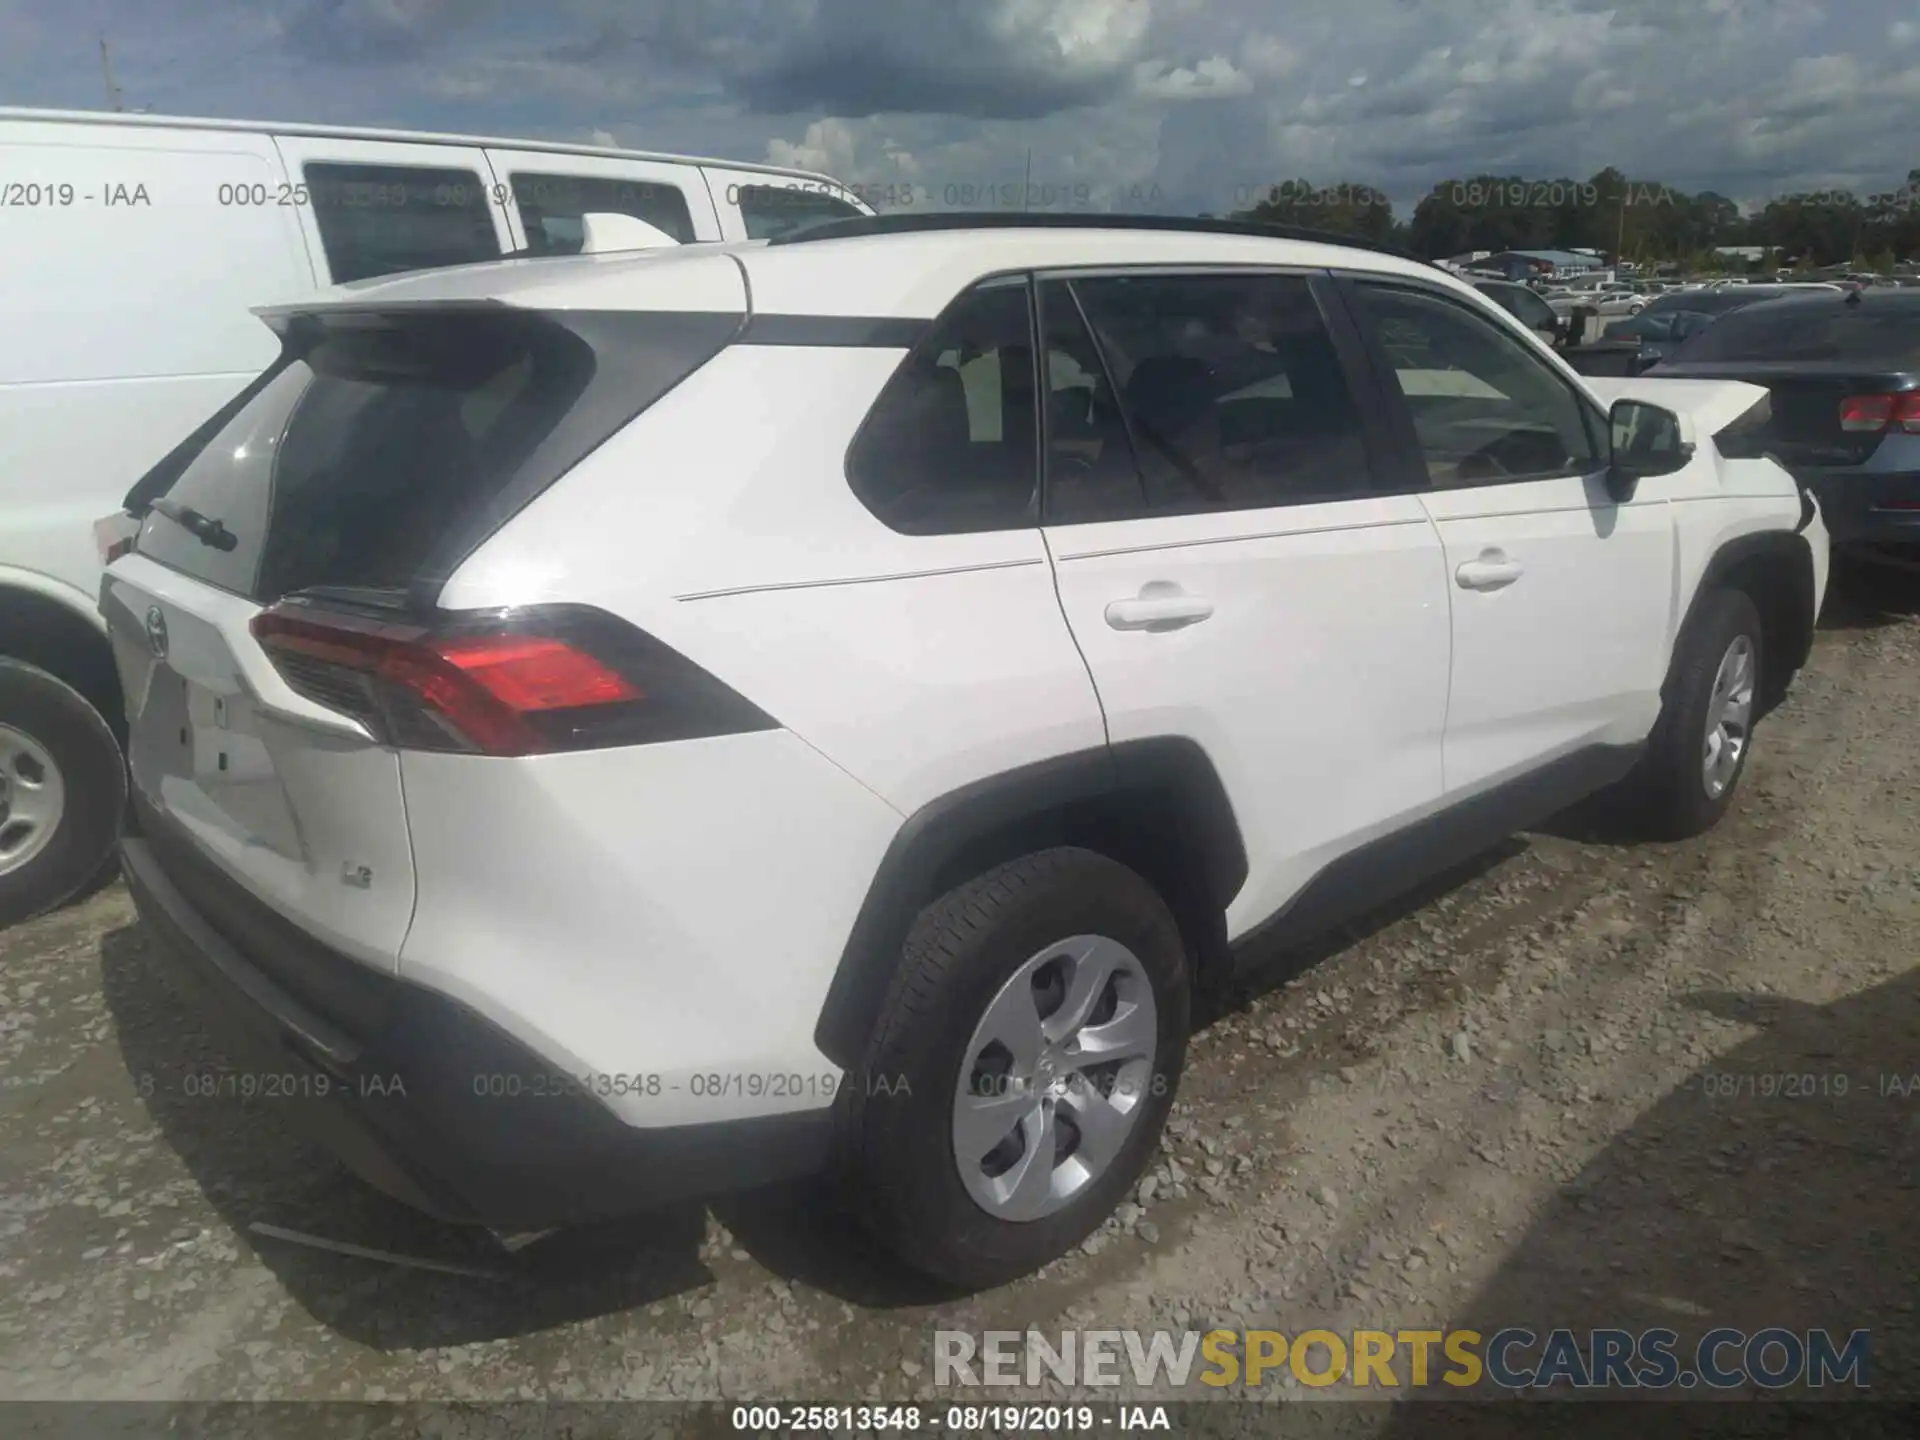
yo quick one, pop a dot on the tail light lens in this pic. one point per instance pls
(1870, 414)
(528, 682)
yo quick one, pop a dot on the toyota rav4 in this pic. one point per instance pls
(634, 726)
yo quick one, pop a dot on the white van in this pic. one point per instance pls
(132, 251)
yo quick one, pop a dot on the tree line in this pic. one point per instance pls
(1642, 221)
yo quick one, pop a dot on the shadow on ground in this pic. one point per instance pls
(248, 1159)
(1866, 596)
(1778, 1186)
(1267, 968)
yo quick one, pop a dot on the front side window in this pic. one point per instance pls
(950, 446)
(551, 207)
(1486, 408)
(382, 219)
(1231, 387)
(1532, 311)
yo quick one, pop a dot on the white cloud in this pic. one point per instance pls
(1208, 79)
(829, 146)
(1268, 57)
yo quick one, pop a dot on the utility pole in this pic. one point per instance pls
(106, 74)
(1026, 185)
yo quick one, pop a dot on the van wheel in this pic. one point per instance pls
(1699, 747)
(63, 785)
(1024, 1063)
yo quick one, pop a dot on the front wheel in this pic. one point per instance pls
(1026, 1058)
(62, 787)
(1699, 747)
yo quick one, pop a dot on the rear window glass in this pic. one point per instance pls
(387, 446)
(551, 207)
(770, 210)
(1813, 330)
(383, 219)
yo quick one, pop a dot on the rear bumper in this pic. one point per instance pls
(436, 1106)
(1861, 507)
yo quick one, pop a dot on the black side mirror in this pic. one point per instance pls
(1644, 441)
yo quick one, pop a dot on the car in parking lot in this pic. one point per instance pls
(1669, 321)
(1842, 373)
(629, 727)
(141, 326)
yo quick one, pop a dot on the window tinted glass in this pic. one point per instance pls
(382, 219)
(1822, 330)
(1091, 469)
(378, 453)
(551, 207)
(950, 444)
(1485, 407)
(1231, 387)
(770, 210)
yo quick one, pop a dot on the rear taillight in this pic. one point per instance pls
(525, 682)
(1871, 414)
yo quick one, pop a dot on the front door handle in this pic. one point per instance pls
(1492, 571)
(1158, 611)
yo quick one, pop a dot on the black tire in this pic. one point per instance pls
(1667, 791)
(895, 1113)
(93, 775)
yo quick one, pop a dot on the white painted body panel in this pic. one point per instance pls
(1572, 652)
(1317, 685)
(672, 910)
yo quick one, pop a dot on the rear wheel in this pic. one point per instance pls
(62, 787)
(1026, 1058)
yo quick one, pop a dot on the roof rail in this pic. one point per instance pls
(898, 223)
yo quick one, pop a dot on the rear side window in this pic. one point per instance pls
(949, 445)
(770, 210)
(382, 219)
(1827, 329)
(1092, 472)
(1232, 388)
(388, 446)
(551, 207)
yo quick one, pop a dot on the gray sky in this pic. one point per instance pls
(1175, 104)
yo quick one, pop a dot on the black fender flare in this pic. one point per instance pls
(1162, 791)
(1791, 614)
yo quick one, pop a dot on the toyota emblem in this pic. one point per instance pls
(157, 631)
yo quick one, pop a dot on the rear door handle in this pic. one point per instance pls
(1492, 571)
(1158, 612)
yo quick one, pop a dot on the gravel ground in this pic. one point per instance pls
(1500, 1104)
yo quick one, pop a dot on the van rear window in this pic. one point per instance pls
(389, 445)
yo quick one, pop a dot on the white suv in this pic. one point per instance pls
(615, 729)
